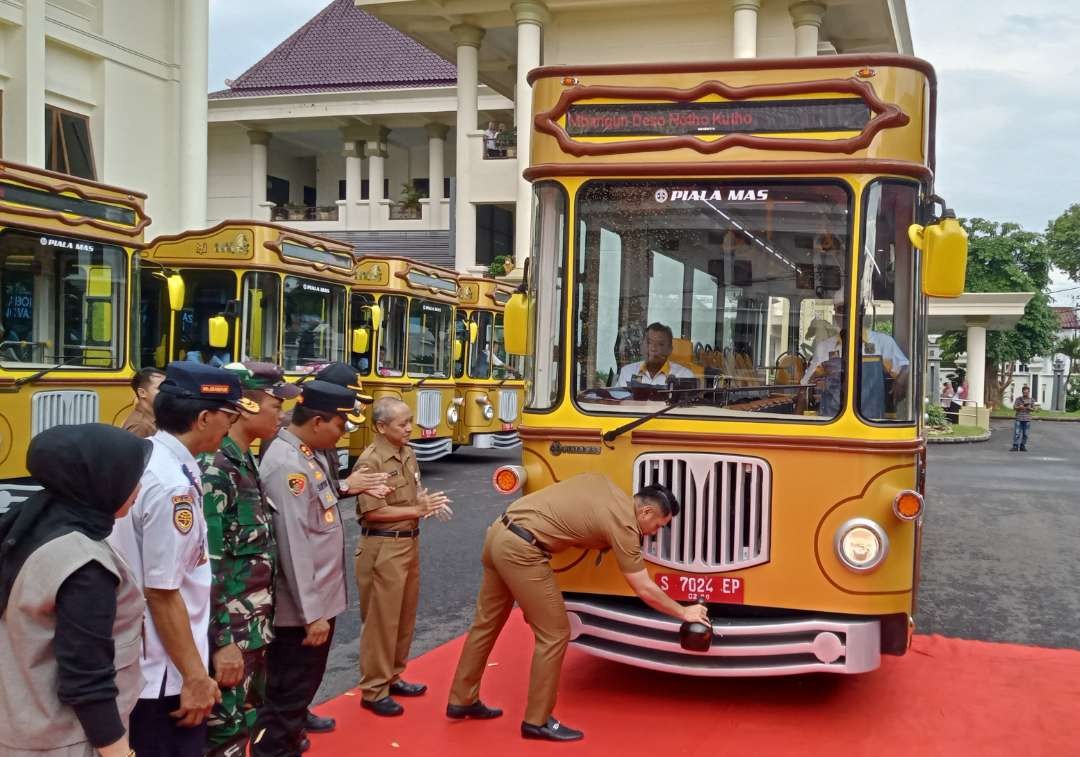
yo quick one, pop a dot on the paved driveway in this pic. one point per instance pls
(1001, 546)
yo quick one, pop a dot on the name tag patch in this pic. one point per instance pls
(297, 483)
(183, 513)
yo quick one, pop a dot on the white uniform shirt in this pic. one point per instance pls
(893, 358)
(640, 375)
(163, 539)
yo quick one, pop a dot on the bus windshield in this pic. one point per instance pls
(61, 302)
(716, 294)
(430, 338)
(314, 323)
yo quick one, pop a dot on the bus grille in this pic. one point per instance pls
(724, 522)
(428, 408)
(48, 409)
(508, 405)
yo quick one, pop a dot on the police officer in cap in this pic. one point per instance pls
(310, 584)
(164, 540)
(243, 556)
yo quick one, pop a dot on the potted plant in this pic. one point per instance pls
(501, 265)
(409, 203)
(506, 143)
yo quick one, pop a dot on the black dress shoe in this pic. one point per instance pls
(477, 710)
(405, 689)
(385, 707)
(315, 724)
(305, 744)
(552, 730)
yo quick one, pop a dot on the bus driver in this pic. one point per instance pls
(656, 367)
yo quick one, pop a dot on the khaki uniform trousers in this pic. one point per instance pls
(388, 577)
(516, 570)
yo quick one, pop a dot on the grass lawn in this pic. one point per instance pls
(957, 431)
(1008, 412)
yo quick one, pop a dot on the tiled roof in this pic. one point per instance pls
(1068, 317)
(342, 49)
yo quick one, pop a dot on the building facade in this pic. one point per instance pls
(111, 90)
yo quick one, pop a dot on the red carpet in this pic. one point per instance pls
(945, 697)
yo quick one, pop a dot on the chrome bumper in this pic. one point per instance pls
(498, 440)
(740, 646)
(427, 450)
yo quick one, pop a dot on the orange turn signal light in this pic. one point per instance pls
(908, 505)
(569, 81)
(508, 479)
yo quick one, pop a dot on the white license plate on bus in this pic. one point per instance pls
(710, 588)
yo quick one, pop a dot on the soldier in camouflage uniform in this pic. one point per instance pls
(243, 555)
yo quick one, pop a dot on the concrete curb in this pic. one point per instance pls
(1075, 419)
(958, 439)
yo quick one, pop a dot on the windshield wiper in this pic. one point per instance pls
(15, 385)
(610, 436)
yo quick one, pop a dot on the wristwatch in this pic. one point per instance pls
(343, 487)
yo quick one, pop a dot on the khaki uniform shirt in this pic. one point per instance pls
(140, 423)
(307, 525)
(587, 511)
(382, 457)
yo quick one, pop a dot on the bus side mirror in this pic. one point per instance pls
(473, 331)
(175, 284)
(376, 316)
(361, 339)
(459, 350)
(218, 328)
(945, 248)
(516, 324)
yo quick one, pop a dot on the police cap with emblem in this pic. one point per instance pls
(322, 396)
(346, 376)
(266, 376)
(195, 381)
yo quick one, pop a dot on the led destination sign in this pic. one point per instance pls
(704, 118)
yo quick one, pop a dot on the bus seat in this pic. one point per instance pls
(790, 368)
(682, 352)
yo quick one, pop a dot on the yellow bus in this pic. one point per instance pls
(405, 310)
(709, 238)
(252, 291)
(488, 379)
(67, 272)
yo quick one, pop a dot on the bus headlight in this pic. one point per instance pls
(489, 412)
(452, 415)
(861, 545)
(485, 407)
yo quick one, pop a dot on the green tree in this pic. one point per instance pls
(1003, 257)
(1063, 241)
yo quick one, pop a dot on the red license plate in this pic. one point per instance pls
(710, 588)
(427, 433)
(508, 427)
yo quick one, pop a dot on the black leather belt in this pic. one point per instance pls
(524, 533)
(412, 534)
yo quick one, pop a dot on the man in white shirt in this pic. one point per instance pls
(656, 367)
(163, 539)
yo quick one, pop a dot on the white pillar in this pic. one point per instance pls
(467, 38)
(436, 134)
(259, 142)
(530, 16)
(376, 152)
(354, 157)
(976, 359)
(744, 28)
(191, 151)
(24, 95)
(807, 17)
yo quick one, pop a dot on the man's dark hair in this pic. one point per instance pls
(301, 415)
(141, 380)
(657, 326)
(662, 497)
(178, 414)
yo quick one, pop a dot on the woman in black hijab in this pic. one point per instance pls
(70, 609)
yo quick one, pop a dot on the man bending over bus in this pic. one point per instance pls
(655, 368)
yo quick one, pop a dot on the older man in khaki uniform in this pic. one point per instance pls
(388, 558)
(586, 511)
